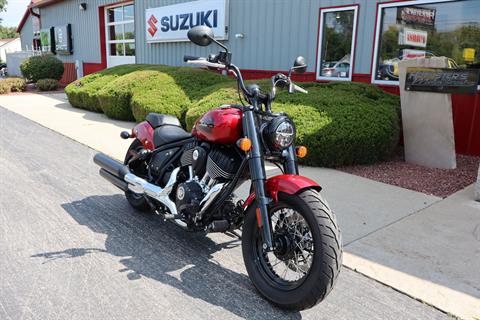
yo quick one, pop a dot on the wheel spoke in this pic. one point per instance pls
(292, 259)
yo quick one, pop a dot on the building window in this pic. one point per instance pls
(336, 43)
(417, 29)
(121, 30)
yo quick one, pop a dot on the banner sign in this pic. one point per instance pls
(47, 40)
(63, 39)
(171, 23)
(416, 16)
(442, 80)
(412, 54)
(412, 37)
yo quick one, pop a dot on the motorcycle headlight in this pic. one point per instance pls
(280, 133)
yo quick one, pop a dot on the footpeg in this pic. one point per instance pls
(218, 226)
(169, 216)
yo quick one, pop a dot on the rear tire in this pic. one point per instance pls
(136, 200)
(323, 238)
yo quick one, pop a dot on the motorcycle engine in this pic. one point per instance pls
(223, 164)
(188, 197)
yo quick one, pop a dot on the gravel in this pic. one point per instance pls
(438, 182)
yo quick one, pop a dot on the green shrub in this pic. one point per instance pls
(42, 67)
(12, 84)
(162, 95)
(173, 91)
(83, 93)
(135, 90)
(220, 94)
(340, 123)
(115, 97)
(47, 84)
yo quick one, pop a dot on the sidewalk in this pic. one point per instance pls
(53, 111)
(419, 244)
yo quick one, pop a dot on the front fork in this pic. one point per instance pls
(258, 175)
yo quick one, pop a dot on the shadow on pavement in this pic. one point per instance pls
(149, 247)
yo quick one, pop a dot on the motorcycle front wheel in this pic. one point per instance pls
(303, 267)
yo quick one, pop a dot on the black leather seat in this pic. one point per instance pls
(168, 133)
(156, 120)
(167, 129)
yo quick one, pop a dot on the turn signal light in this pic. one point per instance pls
(244, 144)
(301, 151)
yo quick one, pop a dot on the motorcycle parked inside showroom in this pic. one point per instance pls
(291, 242)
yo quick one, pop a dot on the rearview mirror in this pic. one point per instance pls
(299, 66)
(201, 35)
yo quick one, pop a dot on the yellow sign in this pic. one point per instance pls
(469, 54)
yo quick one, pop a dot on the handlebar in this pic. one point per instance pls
(206, 63)
(216, 62)
(187, 58)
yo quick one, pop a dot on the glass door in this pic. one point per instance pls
(120, 33)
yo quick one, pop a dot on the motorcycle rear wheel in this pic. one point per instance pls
(137, 201)
(308, 245)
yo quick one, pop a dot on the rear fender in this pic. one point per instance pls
(287, 183)
(144, 133)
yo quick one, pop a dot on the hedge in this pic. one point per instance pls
(40, 67)
(12, 84)
(115, 97)
(83, 93)
(47, 84)
(340, 123)
(132, 91)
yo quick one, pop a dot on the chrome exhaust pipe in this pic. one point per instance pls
(139, 185)
(119, 175)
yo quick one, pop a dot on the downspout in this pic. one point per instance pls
(37, 15)
(33, 13)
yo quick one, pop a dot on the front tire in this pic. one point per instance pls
(136, 200)
(308, 243)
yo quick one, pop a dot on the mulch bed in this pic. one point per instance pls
(31, 88)
(438, 182)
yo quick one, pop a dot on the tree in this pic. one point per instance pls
(8, 32)
(3, 5)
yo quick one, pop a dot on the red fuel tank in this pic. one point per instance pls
(222, 125)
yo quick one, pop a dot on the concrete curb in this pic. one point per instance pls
(477, 186)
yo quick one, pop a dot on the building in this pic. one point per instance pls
(7, 46)
(342, 40)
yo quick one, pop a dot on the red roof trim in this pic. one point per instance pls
(44, 3)
(23, 20)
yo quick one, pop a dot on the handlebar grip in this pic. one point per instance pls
(187, 58)
(299, 89)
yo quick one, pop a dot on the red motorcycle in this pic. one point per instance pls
(290, 238)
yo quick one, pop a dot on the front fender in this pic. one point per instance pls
(287, 183)
(144, 133)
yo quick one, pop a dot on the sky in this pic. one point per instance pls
(15, 11)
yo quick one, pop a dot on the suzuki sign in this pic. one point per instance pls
(171, 23)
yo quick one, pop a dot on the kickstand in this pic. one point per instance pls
(233, 234)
